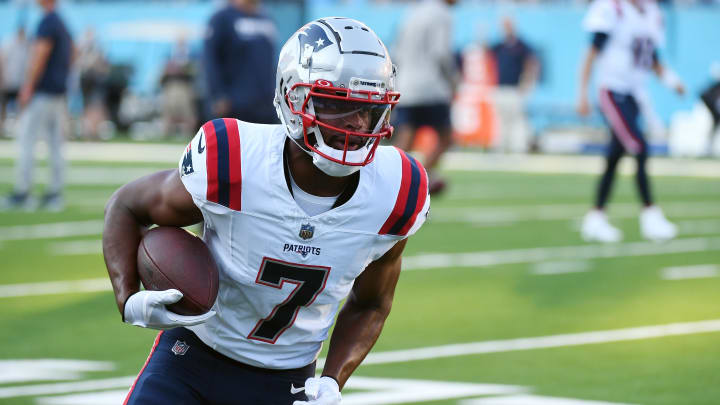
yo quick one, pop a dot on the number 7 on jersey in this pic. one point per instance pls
(309, 281)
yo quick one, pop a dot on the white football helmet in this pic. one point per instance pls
(335, 78)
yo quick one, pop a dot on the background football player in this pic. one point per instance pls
(625, 37)
(298, 217)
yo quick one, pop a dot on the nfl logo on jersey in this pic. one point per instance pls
(180, 348)
(306, 231)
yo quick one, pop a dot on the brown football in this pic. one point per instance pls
(170, 257)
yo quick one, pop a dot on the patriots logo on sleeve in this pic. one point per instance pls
(313, 36)
(187, 163)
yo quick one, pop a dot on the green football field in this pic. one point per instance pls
(500, 301)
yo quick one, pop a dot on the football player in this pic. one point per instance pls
(625, 38)
(298, 217)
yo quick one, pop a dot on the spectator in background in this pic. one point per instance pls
(94, 70)
(710, 97)
(517, 69)
(178, 95)
(427, 78)
(44, 111)
(14, 59)
(240, 62)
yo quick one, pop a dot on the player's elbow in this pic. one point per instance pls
(380, 306)
(112, 202)
(120, 204)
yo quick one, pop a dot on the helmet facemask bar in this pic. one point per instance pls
(358, 148)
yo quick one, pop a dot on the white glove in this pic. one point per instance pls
(147, 309)
(321, 391)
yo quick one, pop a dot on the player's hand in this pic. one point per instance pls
(583, 107)
(321, 391)
(147, 309)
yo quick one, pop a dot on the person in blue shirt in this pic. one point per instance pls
(517, 69)
(43, 103)
(239, 58)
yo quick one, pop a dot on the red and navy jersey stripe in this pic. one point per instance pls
(410, 199)
(224, 172)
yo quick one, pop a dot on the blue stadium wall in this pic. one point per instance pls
(554, 30)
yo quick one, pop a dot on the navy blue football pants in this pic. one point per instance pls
(182, 370)
(621, 112)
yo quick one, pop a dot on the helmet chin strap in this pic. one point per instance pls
(331, 168)
(325, 165)
(301, 146)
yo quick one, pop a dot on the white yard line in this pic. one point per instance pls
(483, 190)
(573, 164)
(528, 399)
(55, 287)
(687, 272)
(542, 342)
(111, 397)
(31, 370)
(51, 230)
(97, 176)
(480, 215)
(560, 253)
(60, 388)
(105, 152)
(75, 247)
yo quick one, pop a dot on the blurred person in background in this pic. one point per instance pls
(94, 70)
(517, 69)
(625, 37)
(178, 93)
(43, 110)
(239, 58)
(13, 65)
(427, 78)
(710, 97)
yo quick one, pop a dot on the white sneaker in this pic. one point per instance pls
(596, 228)
(654, 226)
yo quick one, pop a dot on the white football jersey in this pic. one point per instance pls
(633, 35)
(283, 273)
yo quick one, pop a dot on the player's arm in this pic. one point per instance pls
(667, 76)
(363, 315)
(159, 198)
(598, 42)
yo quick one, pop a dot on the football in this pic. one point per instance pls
(170, 257)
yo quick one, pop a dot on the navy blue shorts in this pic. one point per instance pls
(182, 370)
(434, 115)
(621, 111)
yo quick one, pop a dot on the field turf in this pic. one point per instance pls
(499, 259)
